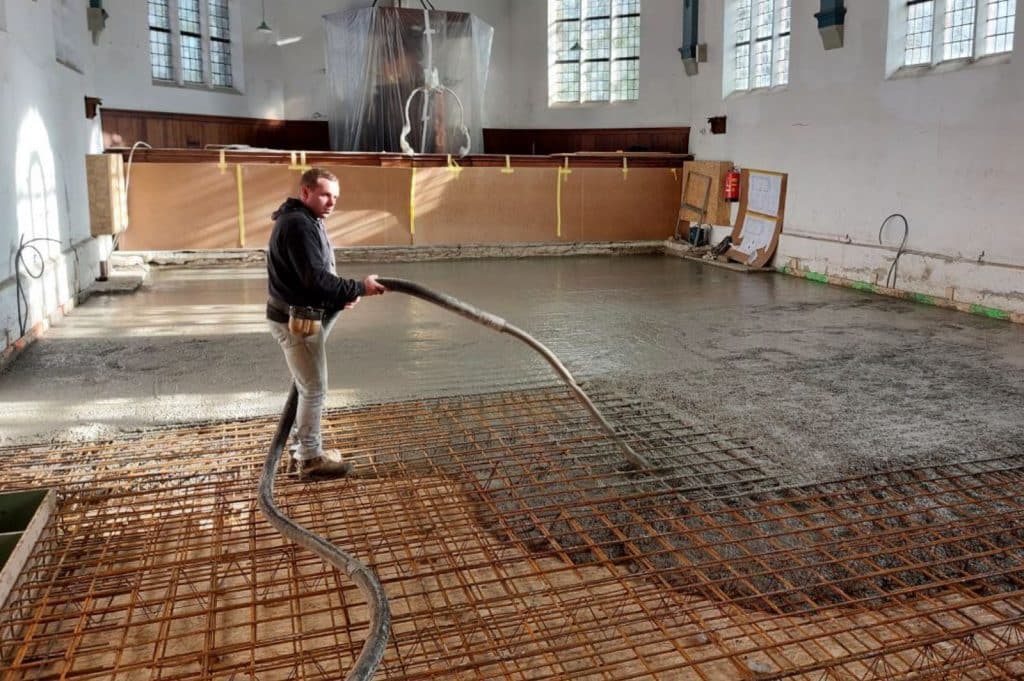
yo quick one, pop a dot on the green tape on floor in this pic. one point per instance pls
(863, 286)
(820, 278)
(989, 312)
(922, 298)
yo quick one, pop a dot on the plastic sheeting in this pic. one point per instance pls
(378, 56)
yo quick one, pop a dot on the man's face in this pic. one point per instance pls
(320, 199)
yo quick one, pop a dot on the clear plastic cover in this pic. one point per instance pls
(385, 61)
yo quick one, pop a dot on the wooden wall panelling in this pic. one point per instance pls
(544, 141)
(122, 127)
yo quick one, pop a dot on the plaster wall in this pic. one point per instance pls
(272, 81)
(941, 148)
(43, 142)
(124, 80)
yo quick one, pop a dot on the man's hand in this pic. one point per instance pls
(349, 306)
(372, 286)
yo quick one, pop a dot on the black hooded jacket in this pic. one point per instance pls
(300, 262)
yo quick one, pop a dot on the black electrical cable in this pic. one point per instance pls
(890, 277)
(19, 261)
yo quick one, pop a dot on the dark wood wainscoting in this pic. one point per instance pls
(123, 127)
(570, 140)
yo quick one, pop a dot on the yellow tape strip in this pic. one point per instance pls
(675, 175)
(293, 164)
(507, 170)
(222, 164)
(454, 167)
(303, 166)
(563, 174)
(241, 205)
(412, 203)
(625, 167)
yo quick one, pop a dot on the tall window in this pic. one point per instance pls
(758, 34)
(593, 50)
(946, 30)
(190, 42)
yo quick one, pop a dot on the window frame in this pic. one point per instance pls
(612, 87)
(734, 46)
(224, 79)
(896, 59)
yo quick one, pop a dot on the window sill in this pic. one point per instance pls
(948, 66)
(590, 105)
(737, 94)
(198, 87)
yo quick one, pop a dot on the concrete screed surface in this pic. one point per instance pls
(822, 380)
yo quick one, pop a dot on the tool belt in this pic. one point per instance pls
(301, 320)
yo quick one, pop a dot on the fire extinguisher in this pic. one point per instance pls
(732, 185)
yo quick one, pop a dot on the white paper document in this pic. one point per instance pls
(764, 192)
(756, 235)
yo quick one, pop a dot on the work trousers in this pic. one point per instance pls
(306, 357)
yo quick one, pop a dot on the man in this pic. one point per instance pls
(303, 284)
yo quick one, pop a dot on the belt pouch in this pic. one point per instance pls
(304, 321)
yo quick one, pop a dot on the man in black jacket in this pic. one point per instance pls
(303, 284)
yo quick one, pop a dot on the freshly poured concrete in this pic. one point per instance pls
(819, 378)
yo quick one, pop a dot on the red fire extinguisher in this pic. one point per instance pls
(732, 185)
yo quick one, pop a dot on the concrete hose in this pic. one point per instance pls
(500, 325)
(364, 578)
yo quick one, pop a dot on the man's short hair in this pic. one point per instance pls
(311, 177)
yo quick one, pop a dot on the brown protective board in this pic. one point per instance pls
(719, 211)
(640, 204)
(762, 255)
(108, 213)
(372, 208)
(180, 206)
(484, 205)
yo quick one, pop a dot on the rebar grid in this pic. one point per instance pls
(514, 544)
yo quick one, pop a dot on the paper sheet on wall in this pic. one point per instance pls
(764, 192)
(756, 235)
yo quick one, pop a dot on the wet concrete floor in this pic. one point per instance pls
(820, 379)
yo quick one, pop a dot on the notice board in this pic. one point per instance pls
(759, 222)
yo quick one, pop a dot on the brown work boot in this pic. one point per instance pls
(327, 465)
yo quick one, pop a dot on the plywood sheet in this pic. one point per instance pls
(181, 206)
(485, 205)
(373, 206)
(719, 211)
(637, 205)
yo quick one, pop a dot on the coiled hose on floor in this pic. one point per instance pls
(364, 578)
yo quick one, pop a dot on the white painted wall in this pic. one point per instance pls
(943, 149)
(287, 81)
(124, 81)
(665, 92)
(44, 137)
